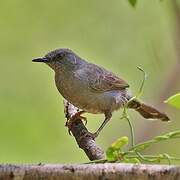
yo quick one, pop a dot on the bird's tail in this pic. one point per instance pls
(147, 111)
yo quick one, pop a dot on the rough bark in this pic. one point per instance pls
(90, 171)
(81, 134)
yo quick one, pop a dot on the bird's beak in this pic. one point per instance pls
(43, 59)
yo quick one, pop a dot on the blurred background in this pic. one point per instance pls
(112, 34)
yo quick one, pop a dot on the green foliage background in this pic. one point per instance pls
(108, 33)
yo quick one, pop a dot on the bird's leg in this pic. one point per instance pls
(74, 118)
(108, 116)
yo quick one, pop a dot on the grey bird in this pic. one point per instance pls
(92, 88)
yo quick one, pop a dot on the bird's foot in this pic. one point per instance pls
(74, 118)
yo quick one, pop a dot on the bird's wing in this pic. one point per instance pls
(101, 80)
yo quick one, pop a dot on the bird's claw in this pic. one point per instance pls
(84, 119)
(73, 119)
(69, 126)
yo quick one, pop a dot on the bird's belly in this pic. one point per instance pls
(101, 102)
(81, 96)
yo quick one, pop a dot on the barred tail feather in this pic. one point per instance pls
(147, 111)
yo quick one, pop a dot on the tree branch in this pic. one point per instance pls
(113, 171)
(81, 134)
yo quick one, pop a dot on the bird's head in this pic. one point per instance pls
(60, 59)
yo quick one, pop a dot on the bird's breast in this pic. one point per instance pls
(72, 88)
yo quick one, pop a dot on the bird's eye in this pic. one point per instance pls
(60, 55)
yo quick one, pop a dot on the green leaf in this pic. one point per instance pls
(174, 100)
(133, 2)
(142, 147)
(174, 134)
(111, 156)
(161, 138)
(155, 140)
(113, 152)
(131, 160)
(119, 143)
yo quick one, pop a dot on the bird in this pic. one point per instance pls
(92, 88)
